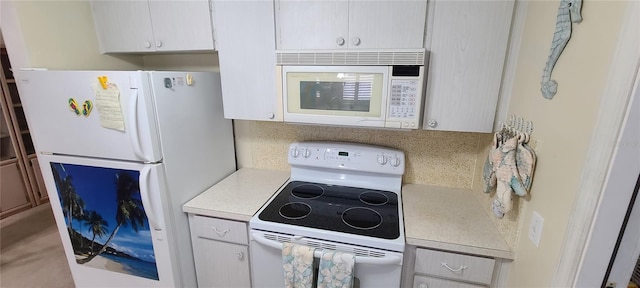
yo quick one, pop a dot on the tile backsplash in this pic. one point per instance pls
(433, 157)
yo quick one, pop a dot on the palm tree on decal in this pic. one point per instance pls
(73, 205)
(97, 226)
(129, 210)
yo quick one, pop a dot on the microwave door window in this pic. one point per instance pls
(347, 95)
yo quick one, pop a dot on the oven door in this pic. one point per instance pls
(335, 95)
(374, 267)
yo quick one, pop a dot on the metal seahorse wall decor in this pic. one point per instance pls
(569, 12)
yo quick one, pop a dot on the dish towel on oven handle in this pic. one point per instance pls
(297, 262)
(336, 269)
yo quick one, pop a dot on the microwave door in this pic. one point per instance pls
(351, 96)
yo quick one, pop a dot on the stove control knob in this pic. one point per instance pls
(382, 159)
(395, 161)
(307, 153)
(295, 153)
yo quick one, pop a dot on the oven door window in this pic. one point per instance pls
(335, 93)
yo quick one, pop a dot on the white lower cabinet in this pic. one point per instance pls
(221, 252)
(434, 268)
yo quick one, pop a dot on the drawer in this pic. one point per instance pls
(220, 229)
(429, 282)
(455, 266)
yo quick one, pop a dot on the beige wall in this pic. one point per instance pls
(184, 62)
(563, 126)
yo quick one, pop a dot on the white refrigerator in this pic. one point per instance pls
(121, 152)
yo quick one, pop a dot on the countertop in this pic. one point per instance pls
(434, 217)
(238, 196)
(450, 219)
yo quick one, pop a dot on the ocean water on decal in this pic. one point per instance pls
(105, 218)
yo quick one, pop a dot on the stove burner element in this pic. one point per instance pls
(295, 210)
(374, 198)
(307, 191)
(361, 218)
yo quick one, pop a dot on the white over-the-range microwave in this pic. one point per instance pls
(383, 89)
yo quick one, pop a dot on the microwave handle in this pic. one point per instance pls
(386, 260)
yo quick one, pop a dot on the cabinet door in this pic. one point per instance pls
(468, 48)
(312, 24)
(12, 192)
(246, 51)
(123, 26)
(181, 25)
(387, 24)
(459, 267)
(430, 282)
(221, 264)
(7, 150)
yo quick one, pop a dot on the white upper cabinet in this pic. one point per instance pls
(245, 38)
(467, 54)
(355, 24)
(154, 25)
(387, 24)
(312, 24)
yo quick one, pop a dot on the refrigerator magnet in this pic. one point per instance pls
(87, 107)
(73, 106)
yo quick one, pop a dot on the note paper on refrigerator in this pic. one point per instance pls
(108, 105)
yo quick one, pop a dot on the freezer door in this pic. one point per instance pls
(110, 216)
(70, 113)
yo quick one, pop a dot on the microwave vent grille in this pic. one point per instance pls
(380, 58)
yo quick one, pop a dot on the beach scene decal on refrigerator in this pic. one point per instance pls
(105, 218)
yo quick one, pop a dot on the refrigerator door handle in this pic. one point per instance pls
(133, 125)
(146, 198)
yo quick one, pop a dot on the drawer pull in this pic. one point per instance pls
(220, 233)
(451, 269)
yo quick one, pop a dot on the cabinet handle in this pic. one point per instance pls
(158, 43)
(147, 44)
(356, 41)
(432, 123)
(423, 285)
(340, 41)
(451, 269)
(220, 233)
(271, 115)
(240, 256)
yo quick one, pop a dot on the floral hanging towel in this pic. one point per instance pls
(336, 269)
(297, 262)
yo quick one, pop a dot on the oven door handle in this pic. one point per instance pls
(386, 260)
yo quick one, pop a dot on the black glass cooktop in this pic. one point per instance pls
(336, 208)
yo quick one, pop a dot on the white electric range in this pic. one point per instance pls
(340, 196)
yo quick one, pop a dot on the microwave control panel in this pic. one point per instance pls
(404, 99)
